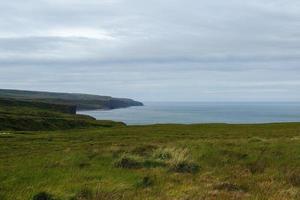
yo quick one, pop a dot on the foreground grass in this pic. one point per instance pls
(213, 161)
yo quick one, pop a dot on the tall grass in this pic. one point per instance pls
(178, 159)
(156, 167)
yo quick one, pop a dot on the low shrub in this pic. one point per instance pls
(257, 166)
(293, 177)
(152, 163)
(43, 196)
(144, 150)
(183, 166)
(128, 161)
(146, 182)
(83, 164)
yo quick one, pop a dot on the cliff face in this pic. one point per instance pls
(80, 101)
(122, 103)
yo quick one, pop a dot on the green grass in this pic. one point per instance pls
(233, 162)
(33, 116)
(8, 105)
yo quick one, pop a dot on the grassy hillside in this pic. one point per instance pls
(68, 109)
(31, 115)
(82, 101)
(177, 162)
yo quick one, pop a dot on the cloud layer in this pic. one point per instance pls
(189, 50)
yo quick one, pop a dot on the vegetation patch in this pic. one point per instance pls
(230, 187)
(146, 181)
(43, 196)
(177, 159)
(235, 155)
(35, 116)
(144, 150)
(82, 165)
(88, 194)
(104, 195)
(184, 166)
(55, 164)
(164, 153)
(4, 133)
(128, 161)
(257, 167)
(30, 163)
(293, 177)
(152, 163)
(84, 194)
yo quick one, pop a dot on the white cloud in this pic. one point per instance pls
(79, 32)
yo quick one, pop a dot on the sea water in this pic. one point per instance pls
(202, 112)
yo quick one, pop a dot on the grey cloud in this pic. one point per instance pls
(147, 49)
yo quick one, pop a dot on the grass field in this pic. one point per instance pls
(34, 116)
(213, 161)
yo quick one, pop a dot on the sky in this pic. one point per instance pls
(158, 50)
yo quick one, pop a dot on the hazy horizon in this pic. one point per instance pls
(196, 50)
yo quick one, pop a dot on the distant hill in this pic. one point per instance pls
(81, 101)
(9, 103)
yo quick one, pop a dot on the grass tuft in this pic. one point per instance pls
(147, 181)
(84, 194)
(164, 153)
(257, 167)
(293, 177)
(104, 195)
(178, 159)
(128, 161)
(88, 194)
(144, 150)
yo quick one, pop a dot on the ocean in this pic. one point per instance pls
(202, 112)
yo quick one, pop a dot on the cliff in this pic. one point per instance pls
(80, 101)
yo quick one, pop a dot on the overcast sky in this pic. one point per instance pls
(157, 50)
